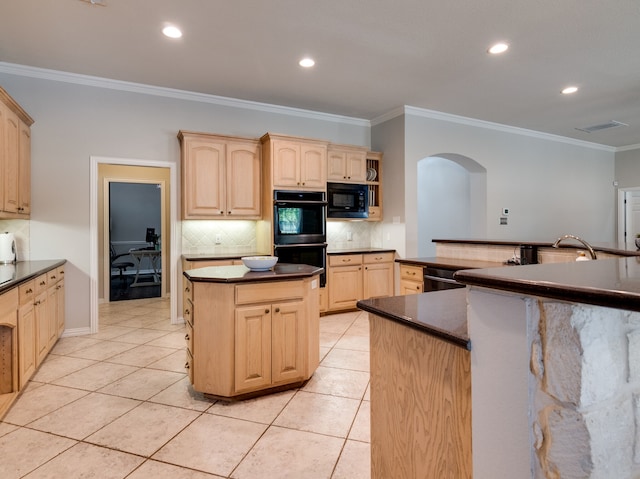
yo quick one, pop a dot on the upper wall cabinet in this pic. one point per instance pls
(220, 176)
(295, 163)
(15, 159)
(346, 164)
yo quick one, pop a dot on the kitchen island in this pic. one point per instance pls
(251, 332)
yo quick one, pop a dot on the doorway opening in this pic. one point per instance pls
(628, 216)
(452, 197)
(134, 219)
(117, 170)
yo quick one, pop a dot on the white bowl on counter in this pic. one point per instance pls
(259, 263)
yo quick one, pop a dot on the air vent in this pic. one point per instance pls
(602, 126)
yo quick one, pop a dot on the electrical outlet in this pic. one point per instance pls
(218, 238)
(349, 236)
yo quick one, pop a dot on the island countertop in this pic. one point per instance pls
(442, 314)
(613, 283)
(242, 274)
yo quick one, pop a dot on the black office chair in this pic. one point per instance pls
(120, 265)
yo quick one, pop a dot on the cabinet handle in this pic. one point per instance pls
(62, 272)
(187, 289)
(346, 260)
(186, 365)
(186, 337)
(53, 277)
(58, 287)
(187, 312)
(29, 291)
(266, 311)
(42, 283)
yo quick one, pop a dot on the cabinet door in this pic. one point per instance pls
(252, 348)
(203, 178)
(243, 180)
(288, 333)
(42, 326)
(60, 313)
(378, 280)
(336, 166)
(313, 166)
(286, 163)
(356, 166)
(345, 286)
(52, 315)
(24, 170)
(11, 163)
(26, 342)
(410, 287)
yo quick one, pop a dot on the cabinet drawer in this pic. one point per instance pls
(411, 273)
(188, 365)
(40, 283)
(188, 337)
(187, 290)
(269, 292)
(187, 311)
(345, 259)
(26, 292)
(53, 276)
(378, 258)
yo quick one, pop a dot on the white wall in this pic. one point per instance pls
(551, 187)
(75, 121)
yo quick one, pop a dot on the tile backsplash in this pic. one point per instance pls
(21, 231)
(219, 237)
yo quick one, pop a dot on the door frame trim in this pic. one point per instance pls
(174, 253)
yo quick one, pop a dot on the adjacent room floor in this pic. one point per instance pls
(117, 404)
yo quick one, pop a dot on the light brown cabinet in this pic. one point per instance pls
(220, 177)
(243, 339)
(15, 159)
(352, 277)
(294, 163)
(411, 279)
(27, 333)
(41, 311)
(346, 164)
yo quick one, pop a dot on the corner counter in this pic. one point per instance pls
(251, 332)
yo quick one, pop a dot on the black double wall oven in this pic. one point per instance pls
(299, 228)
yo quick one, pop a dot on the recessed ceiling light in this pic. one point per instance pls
(569, 90)
(172, 31)
(307, 62)
(498, 48)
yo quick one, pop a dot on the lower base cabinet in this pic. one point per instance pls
(411, 279)
(249, 338)
(352, 277)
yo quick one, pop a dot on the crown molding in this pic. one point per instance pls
(462, 120)
(99, 82)
(628, 147)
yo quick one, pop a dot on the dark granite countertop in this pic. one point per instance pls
(613, 248)
(16, 273)
(449, 263)
(442, 314)
(614, 283)
(360, 250)
(242, 274)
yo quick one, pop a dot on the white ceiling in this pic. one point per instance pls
(372, 56)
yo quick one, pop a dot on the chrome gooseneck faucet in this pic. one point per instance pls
(587, 245)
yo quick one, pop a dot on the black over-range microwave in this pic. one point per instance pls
(346, 200)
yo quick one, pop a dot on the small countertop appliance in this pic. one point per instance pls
(7, 248)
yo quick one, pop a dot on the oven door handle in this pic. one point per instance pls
(298, 202)
(442, 280)
(299, 245)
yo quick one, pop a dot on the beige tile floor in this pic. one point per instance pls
(118, 404)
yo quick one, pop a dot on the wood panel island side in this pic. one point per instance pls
(251, 332)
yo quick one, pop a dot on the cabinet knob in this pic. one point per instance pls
(222, 212)
(277, 310)
(266, 311)
(303, 183)
(187, 312)
(186, 337)
(228, 212)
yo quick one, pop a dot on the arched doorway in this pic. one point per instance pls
(452, 198)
